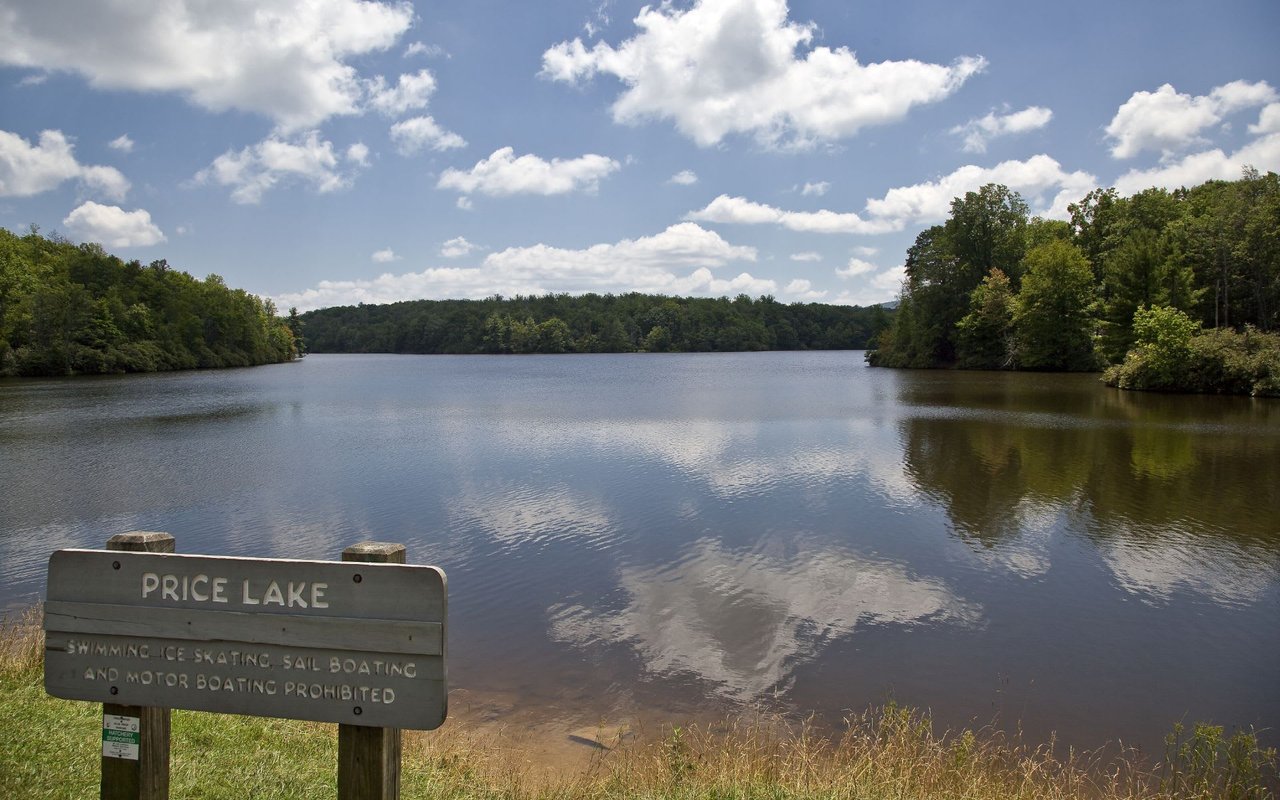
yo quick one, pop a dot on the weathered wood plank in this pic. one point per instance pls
(333, 633)
(369, 757)
(145, 777)
(366, 590)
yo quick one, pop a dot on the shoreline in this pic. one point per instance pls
(490, 747)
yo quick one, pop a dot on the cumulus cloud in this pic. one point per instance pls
(1268, 120)
(28, 169)
(358, 153)
(816, 189)
(879, 288)
(680, 260)
(1262, 154)
(856, 267)
(802, 289)
(504, 174)
(284, 59)
(416, 134)
(685, 177)
(1040, 179)
(456, 248)
(808, 255)
(742, 211)
(725, 67)
(257, 169)
(1169, 121)
(411, 92)
(112, 226)
(122, 143)
(384, 256)
(977, 132)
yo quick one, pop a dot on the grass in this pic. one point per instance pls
(49, 749)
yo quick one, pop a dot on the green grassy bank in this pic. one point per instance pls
(49, 749)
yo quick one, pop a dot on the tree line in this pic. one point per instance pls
(1175, 290)
(591, 323)
(75, 309)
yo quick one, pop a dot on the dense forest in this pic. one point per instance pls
(591, 323)
(75, 309)
(1172, 290)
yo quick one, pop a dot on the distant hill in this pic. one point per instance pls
(591, 323)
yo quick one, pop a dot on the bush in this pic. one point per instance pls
(1173, 355)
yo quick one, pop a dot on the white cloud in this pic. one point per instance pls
(815, 189)
(420, 133)
(256, 169)
(37, 79)
(27, 169)
(112, 226)
(866, 252)
(464, 203)
(808, 255)
(977, 132)
(856, 267)
(504, 174)
(679, 261)
(1041, 180)
(725, 67)
(411, 93)
(284, 59)
(122, 143)
(685, 177)
(358, 153)
(802, 289)
(1192, 170)
(879, 288)
(742, 211)
(426, 50)
(456, 248)
(1168, 121)
(384, 256)
(1268, 120)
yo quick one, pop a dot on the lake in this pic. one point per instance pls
(683, 536)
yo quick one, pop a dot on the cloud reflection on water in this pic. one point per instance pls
(744, 621)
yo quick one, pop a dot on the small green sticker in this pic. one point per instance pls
(121, 737)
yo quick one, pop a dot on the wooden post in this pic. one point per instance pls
(369, 758)
(141, 773)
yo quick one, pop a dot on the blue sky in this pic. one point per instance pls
(327, 152)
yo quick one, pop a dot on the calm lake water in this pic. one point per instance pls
(699, 534)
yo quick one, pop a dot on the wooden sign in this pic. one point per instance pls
(355, 643)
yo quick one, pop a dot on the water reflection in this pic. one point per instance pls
(743, 621)
(1177, 494)
(1155, 566)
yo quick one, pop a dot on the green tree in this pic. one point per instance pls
(986, 332)
(1141, 271)
(987, 229)
(1051, 317)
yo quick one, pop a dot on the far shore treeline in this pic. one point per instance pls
(69, 309)
(591, 323)
(1175, 291)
